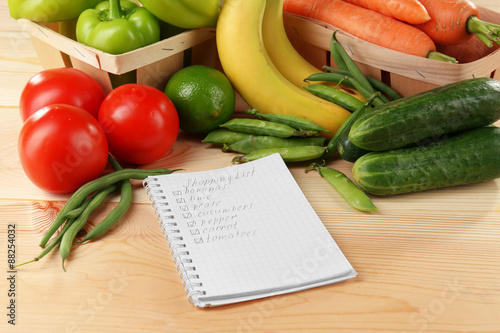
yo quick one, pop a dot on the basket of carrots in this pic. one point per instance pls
(411, 45)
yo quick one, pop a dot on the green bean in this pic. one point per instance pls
(346, 126)
(70, 234)
(336, 96)
(51, 245)
(115, 215)
(78, 211)
(248, 145)
(75, 212)
(72, 215)
(350, 191)
(68, 223)
(79, 195)
(376, 84)
(291, 154)
(264, 127)
(299, 123)
(222, 136)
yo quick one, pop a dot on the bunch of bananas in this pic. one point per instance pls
(263, 65)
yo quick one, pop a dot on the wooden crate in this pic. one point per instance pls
(152, 65)
(405, 73)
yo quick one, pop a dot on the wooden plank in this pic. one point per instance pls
(415, 272)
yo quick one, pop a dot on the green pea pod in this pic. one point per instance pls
(189, 14)
(248, 145)
(290, 154)
(296, 122)
(360, 82)
(117, 27)
(49, 10)
(336, 96)
(352, 193)
(377, 84)
(351, 66)
(263, 127)
(222, 136)
(330, 77)
(337, 58)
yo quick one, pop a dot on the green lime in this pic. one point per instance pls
(203, 96)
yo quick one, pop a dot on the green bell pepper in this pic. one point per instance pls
(116, 28)
(189, 14)
(49, 10)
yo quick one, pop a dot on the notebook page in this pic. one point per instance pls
(250, 230)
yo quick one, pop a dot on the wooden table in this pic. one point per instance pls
(427, 262)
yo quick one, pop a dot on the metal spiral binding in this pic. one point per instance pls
(172, 234)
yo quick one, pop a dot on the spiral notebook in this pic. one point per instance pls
(244, 232)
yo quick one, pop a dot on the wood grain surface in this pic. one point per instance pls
(427, 262)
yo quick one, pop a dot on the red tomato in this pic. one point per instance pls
(61, 147)
(140, 122)
(61, 86)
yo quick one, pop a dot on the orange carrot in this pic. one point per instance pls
(367, 25)
(455, 21)
(410, 11)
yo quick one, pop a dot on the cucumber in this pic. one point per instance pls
(448, 109)
(471, 156)
(349, 151)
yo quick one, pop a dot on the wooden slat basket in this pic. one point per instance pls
(405, 73)
(154, 64)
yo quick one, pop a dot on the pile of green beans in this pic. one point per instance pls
(75, 213)
(376, 93)
(295, 138)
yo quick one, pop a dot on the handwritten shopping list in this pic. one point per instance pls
(244, 232)
(206, 212)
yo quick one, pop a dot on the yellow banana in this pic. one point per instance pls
(281, 52)
(246, 63)
(284, 55)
